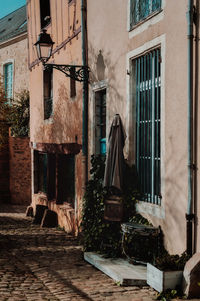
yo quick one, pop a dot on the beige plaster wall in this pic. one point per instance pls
(111, 36)
(17, 53)
(65, 125)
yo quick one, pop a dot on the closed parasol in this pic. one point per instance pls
(113, 177)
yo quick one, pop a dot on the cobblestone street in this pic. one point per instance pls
(47, 264)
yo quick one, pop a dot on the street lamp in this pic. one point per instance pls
(44, 46)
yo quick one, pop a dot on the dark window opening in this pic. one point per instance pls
(42, 172)
(48, 93)
(45, 13)
(66, 179)
(100, 122)
(72, 82)
(54, 174)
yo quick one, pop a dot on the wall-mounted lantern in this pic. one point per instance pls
(44, 46)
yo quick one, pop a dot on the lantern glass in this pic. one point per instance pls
(44, 52)
(44, 46)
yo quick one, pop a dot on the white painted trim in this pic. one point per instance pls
(151, 209)
(159, 41)
(144, 25)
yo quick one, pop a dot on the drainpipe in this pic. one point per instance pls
(196, 96)
(189, 214)
(85, 94)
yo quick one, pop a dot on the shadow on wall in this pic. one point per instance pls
(103, 67)
(176, 196)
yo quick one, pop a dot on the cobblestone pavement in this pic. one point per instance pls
(47, 264)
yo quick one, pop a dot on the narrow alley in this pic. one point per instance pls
(47, 264)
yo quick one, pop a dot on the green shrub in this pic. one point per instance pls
(100, 235)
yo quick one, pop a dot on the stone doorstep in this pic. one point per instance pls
(118, 269)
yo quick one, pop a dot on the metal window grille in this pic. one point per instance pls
(148, 95)
(100, 112)
(8, 80)
(141, 9)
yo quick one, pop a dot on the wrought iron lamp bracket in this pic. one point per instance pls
(76, 72)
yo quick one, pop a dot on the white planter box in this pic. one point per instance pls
(160, 280)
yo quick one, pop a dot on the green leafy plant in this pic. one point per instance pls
(19, 115)
(4, 115)
(98, 234)
(167, 262)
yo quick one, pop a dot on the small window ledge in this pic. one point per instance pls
(151, 209)
(145, 23)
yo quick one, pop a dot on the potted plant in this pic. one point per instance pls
(166, 272)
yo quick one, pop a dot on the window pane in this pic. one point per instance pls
(100, 121)
(141, 9)
(148, 85)
(8, 80)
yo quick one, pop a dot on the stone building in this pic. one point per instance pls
(138, 60)
(15, 166)
(56, 107)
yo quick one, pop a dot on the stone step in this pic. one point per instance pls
(118, 269)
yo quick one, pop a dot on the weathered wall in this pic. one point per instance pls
(119, 46)
(20, 170)
(16, 52)
(4, 175)
(65, 125)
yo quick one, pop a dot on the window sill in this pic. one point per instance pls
(145, 23)
(151, 209)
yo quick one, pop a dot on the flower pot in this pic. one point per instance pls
(162, 280)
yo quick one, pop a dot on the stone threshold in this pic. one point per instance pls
(119, 270)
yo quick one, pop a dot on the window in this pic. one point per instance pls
(141, 9)
(54, 174)
(72, 82)
(42, 172)
(48, 93)
(66, 179)
(147, 71)
(100, 122)
(8, 80)
(45, 14)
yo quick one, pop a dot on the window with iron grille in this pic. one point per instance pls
(48, 93)
(100, 122)
(8, 80)
(147, 70)
(141, 9)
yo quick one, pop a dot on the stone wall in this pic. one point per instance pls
(20, 170)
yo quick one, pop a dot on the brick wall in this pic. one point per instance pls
(4, 175)
(20, 170)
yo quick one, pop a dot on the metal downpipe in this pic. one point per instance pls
(85, 94)
(196, 96)
(189, 214)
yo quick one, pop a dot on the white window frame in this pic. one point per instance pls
(144, 207)
(144, 24)
(9, 61)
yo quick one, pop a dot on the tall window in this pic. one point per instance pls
(141, 9)
(148, 95)
(48, 93)
(8, 80)
(100, 122)
(45, 13)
